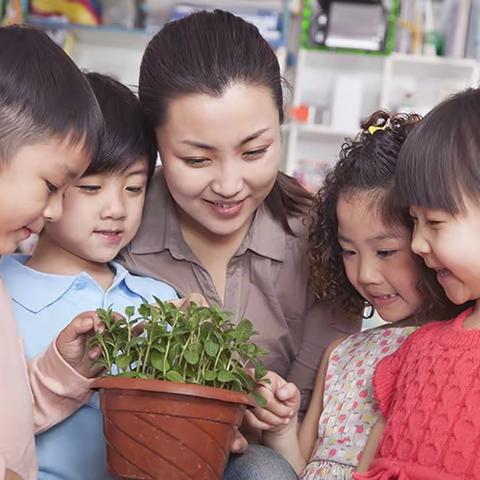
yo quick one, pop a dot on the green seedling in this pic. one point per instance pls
(199, 345)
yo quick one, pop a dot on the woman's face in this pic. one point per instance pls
(221, 155)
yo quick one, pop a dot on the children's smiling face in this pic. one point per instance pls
(221, 156)
(449, 244)
(32, 184)
(377, 258)
(101, 214)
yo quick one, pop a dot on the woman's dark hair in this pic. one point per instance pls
(367, 164)
(205, 53)
(128, 135)
(439, 165)
(43, 95)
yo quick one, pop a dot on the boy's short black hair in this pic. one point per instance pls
(128, 135)
(43, 95)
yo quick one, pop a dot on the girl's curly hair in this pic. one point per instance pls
(366, 163)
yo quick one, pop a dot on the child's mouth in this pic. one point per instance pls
(110, 235)
(384, 300)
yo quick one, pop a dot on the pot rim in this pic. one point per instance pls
(162, 386)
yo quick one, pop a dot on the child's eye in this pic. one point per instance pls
(434, 223)
(255, 153)
(51, 187)
(89, 188)
(386, 253)
(136, 189)
(347, 253)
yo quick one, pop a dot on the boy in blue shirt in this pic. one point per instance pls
(71, 270)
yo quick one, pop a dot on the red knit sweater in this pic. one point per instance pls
(429, 393)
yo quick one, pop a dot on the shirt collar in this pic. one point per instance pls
(36, 290)
(160, 229)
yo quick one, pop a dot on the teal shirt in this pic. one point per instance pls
(43, 305)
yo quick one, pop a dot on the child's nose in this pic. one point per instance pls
(368, 274)
(54, 209)
(114, 207)
(420, 245)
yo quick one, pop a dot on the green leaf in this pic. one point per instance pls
(261, 402)
(191, 356)
(174, 376)
(244, 330)
(158, 361)
(134, 342)
(224, 376)
(144, 310)
(123, 361)
(260, 372)
(130, 311)
(210, 375)
(211, 348)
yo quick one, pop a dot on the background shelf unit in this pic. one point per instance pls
(397, 82)
(118, 50)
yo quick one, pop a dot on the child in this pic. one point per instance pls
(360, 246)
(71, 269)
(49, 129)
(428, 392)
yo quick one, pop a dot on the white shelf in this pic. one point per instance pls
(317, 130)
(386, 82)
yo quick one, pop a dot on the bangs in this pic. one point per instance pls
(86, 131)
(127, 136)
(439, 165)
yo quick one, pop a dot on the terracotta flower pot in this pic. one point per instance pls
(169, 431)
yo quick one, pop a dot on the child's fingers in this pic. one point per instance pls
(254, 422)
(288, 393)
(274, 406)
(80, 325)
(270, 418)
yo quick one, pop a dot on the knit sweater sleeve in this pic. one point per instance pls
(389, 369)
(386, 375)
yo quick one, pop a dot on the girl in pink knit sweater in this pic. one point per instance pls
(429, 390)
(49, 128)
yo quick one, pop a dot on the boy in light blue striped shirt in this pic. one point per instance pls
(71, 269)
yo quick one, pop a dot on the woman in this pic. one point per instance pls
(220, 219)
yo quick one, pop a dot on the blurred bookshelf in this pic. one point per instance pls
(110, 36)
(430, 52)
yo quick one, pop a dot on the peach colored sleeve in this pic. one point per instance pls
(57, 389)
(33, 397)
(17, 446)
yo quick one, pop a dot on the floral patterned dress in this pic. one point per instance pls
(349, 409)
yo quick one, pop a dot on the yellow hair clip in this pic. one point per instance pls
(372, 129)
